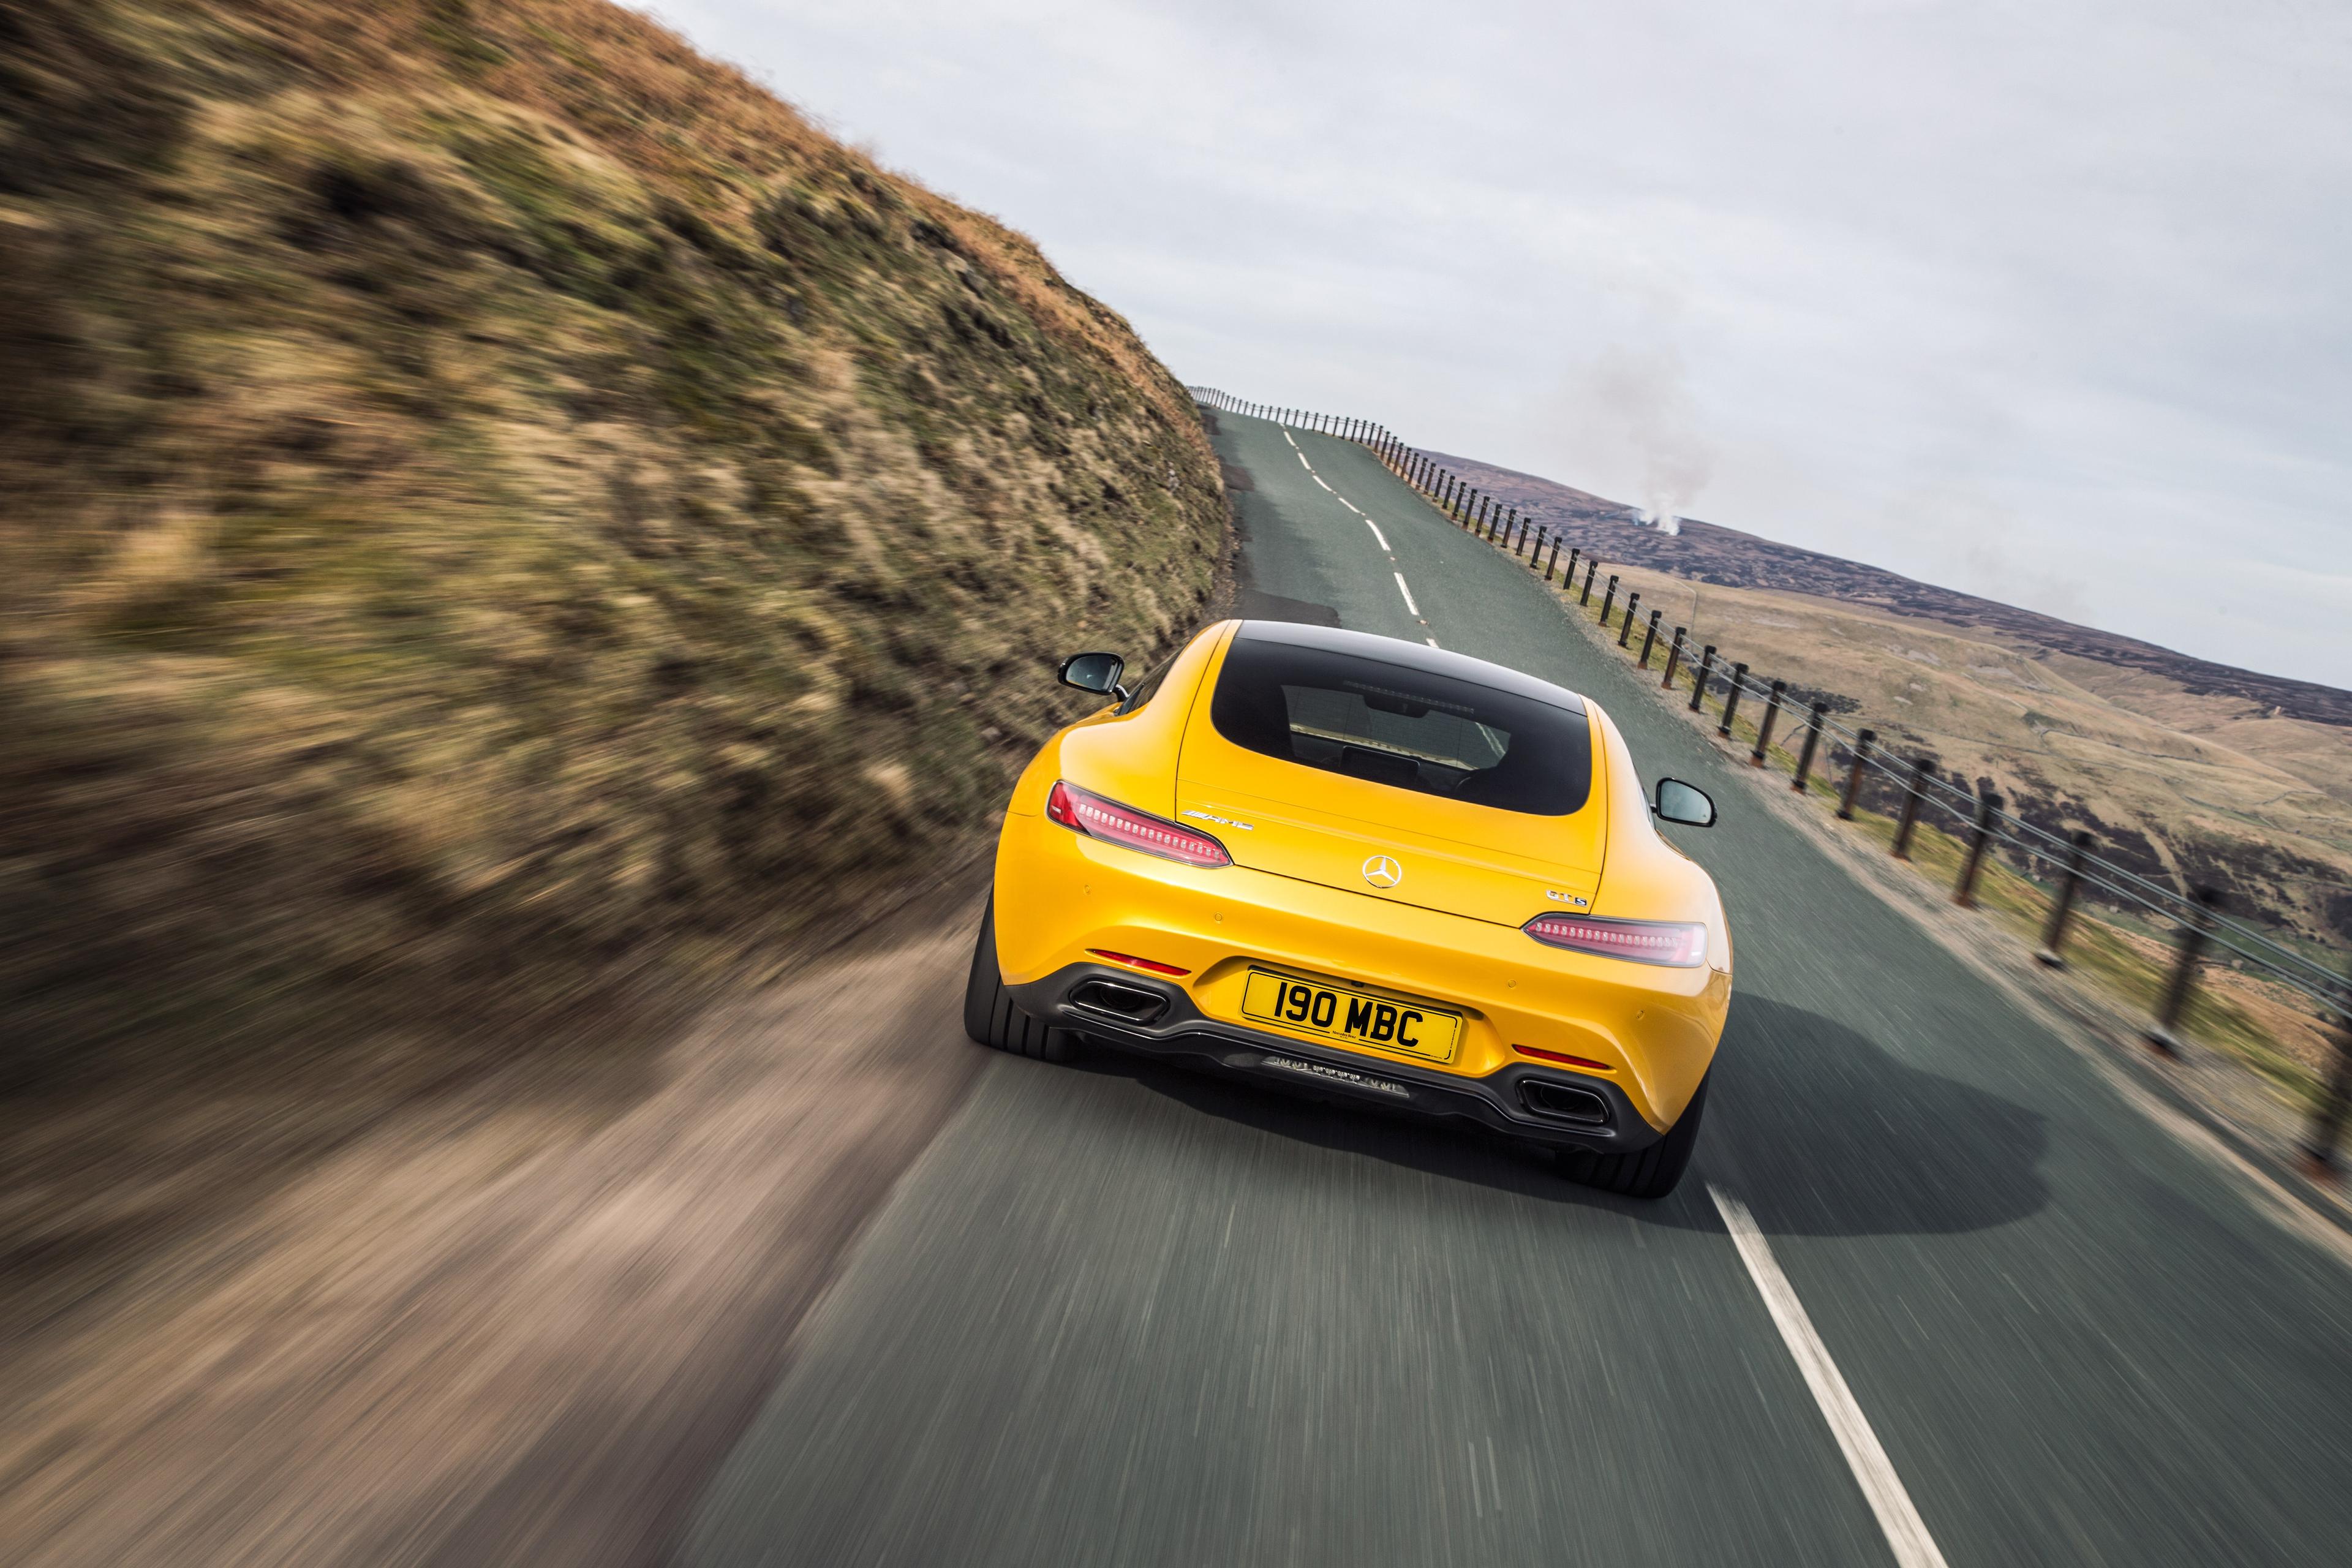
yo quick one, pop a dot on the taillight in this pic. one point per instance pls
(1562, 1058)
(1681, 943)
(1148, 965)
(1100, 818)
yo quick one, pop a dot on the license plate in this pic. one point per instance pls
(1351, 1017)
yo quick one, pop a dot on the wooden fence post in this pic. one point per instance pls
(1854, 773)
(1813, 744)
(1921, 767)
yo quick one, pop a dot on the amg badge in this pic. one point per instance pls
(1338, 1075)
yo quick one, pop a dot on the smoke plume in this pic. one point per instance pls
(1636, 423)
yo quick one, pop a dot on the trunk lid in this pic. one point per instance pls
(1453, 856)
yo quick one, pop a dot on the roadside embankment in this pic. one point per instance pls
(497, 501)
(514, 544)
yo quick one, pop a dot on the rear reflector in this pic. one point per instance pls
(1561, 1056)
(1098, 818)
(1682, 944)
(1149, 965)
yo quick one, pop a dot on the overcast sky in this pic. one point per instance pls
(2049, 302)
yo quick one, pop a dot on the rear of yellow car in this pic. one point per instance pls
(1373, 870)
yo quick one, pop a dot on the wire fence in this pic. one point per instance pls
(1979, 821)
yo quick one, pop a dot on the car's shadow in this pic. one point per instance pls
(1816, 1127)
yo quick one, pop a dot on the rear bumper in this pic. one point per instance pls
(1062, 898)
(1586, 1111)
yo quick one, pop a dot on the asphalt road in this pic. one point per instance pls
(1123, 1314)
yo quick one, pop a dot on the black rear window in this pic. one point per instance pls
(1408, 728)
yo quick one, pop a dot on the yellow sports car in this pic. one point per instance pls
(1371, 869)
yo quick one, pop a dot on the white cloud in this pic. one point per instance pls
(2039, 300)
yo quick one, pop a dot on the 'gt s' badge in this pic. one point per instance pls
(1381, 871)
(1580, 902)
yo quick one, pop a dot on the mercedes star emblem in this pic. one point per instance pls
(1383, 872)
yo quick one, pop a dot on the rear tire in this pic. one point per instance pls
(989, 1014)
(1647, 1173)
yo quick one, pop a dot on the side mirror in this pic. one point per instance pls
(1685, 803)
(1095, 673)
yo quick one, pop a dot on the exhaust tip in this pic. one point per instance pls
(1118, 999)
(1563, 1102)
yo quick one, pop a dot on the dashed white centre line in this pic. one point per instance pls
(1906, 1532)
(1412, 608)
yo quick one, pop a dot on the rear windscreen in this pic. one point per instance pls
(1407, 727)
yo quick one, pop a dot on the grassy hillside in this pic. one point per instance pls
(487, 488)
(2182, 786)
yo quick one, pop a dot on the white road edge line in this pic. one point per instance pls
(1408, 596)
(1906, 1532)
(1378, 535)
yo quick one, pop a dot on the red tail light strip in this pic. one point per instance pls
(1562, 1056)
(1678, 944)
(1098, 818)
(1149, 965)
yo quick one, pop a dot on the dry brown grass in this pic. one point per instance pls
(2050, 742)
(497, 498)
(2182, 787)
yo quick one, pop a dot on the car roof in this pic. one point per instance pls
(1412, 656)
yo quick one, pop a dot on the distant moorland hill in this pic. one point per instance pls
(1708, 553)
(2186, 771)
